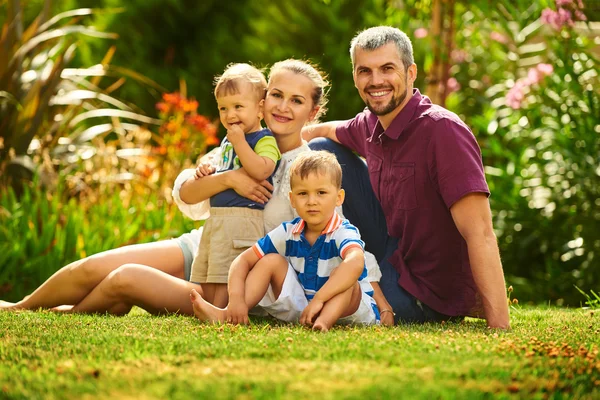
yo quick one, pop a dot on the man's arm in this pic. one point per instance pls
(326, 130)
(473, 219)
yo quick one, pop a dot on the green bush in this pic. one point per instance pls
(40, 232)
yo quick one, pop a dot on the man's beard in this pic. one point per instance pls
(391, 106)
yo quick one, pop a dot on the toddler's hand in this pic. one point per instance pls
(311, 312)
(237, 312)
(204, 169)
(235, 134)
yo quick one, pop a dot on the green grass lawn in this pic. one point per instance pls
(550, 353)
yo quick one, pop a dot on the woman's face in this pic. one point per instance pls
(289, 105)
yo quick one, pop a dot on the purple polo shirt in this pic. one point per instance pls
(419, 167)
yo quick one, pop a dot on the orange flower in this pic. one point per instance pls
(172, 98)
(163, 107)
(188, 105)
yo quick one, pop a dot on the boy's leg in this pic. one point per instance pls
(341, 305)
(269, 270)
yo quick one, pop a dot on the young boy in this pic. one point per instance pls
(235, 222)
(311, 269)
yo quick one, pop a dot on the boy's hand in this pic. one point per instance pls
(235, 134)
(204, 169)
(237, 312)
(310, 312)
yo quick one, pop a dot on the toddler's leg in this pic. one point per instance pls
(221, 295)
(341, 305)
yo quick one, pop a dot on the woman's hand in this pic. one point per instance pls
(386, 312)
(245, 186)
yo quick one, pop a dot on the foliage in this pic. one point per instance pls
(550, 353)
(42, 231)
(44, 104)
(536, 116)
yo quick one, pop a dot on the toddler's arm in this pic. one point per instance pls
(258, 167)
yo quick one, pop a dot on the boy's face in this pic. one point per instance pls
(242, 109)
(315, 198)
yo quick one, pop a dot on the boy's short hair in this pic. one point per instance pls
(228, 83)
(318, 162)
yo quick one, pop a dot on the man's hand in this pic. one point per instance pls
(237, 312)
(311, 312)
(235, 134)
(204, 169)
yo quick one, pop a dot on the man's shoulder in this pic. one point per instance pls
(443, 121)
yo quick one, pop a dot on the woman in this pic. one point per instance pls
(154, 275)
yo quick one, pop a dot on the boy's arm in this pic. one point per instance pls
(256, 166)
(237, 309)
(346, 274)
(385, 309)
(326, 130)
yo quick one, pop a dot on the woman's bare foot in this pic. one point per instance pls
(64, 308)
(7, 306)
(205, 311)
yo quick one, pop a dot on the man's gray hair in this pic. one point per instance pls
(378, 36)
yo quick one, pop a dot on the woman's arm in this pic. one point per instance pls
(196, 190)
(385, 309)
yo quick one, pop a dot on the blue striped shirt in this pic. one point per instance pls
(314, 264)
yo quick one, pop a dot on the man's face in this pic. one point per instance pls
(382, 81)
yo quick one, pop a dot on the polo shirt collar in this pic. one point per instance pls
(334, 222)
(402, 120)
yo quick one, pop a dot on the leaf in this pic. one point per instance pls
(108, 112)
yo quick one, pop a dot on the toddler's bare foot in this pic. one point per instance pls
(320, 326)
(205, 311)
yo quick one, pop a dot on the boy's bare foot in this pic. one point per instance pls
(320, 326)
(205, 311)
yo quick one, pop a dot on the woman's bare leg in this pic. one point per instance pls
(340, 305)
(72, 283)
(135, 284)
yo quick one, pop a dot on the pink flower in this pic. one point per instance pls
(459, 55)
(533, 76)
(580, 16)
(420, 33)
(545, 69)
(452, 85)
(564, 17)
(515, 95)
(498, 37)
(562, 3)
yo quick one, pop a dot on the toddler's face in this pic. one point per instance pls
(242, 109)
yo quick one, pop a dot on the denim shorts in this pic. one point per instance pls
(188, 242)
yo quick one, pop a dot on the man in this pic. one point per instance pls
(426, 170)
